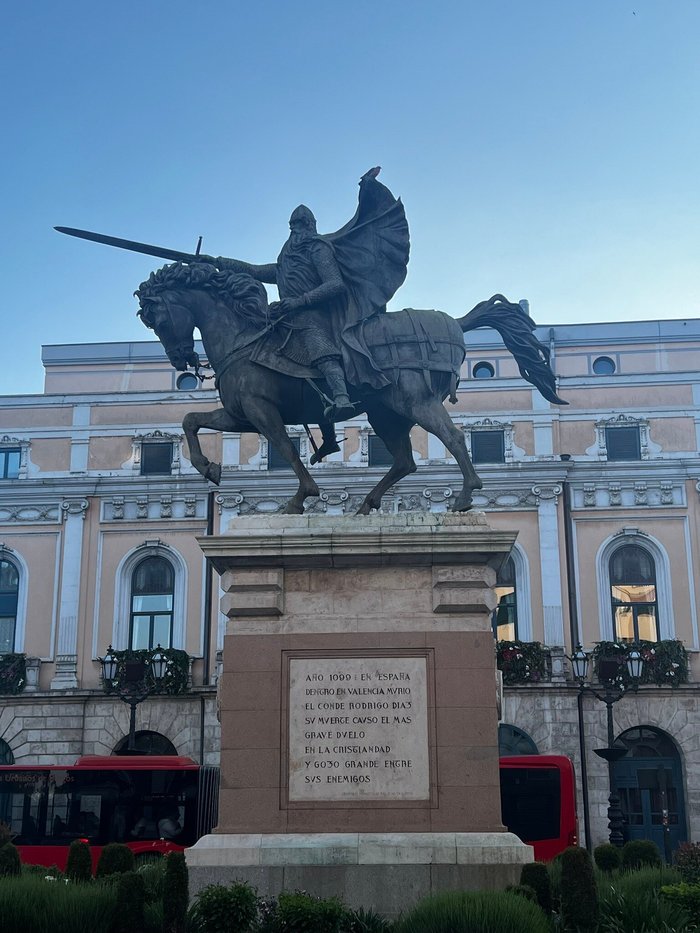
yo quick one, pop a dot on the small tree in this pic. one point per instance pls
(175, 897)
(579, 894)
(536, 876)
(9, 860)
(131, 901)
(220, 909)
(640, 853)
(607, 857)
(79, 865)
(115, 858)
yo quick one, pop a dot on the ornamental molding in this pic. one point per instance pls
(73, 507)
(346, 501)
(31, 514)
(629, 494)
(143, 507)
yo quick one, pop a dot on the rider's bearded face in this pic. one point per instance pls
(301, 229)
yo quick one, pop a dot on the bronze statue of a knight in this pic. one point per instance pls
(329, 285)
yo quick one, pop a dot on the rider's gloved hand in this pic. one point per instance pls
(286, 305)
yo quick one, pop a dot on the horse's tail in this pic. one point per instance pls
(516, 328)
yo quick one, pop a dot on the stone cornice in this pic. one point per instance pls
(312, 542)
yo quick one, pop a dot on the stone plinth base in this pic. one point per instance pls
(387, 872)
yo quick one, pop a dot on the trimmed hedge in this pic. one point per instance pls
(579, 894)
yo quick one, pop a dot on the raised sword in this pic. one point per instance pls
(161, 251)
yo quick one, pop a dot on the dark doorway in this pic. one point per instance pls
(649, 780)
(147, 743)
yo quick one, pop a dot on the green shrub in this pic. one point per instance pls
(607, 857)
(366, 921)
(114, 859)
(153, 874)
(579, 895)
(79, 865)
(687, 861)
(175, 897)
(131, 900)
(536, 876)
(640, 853)
(9, 860)
(220, 909)
(632, 903)
(303, 913)
(153, 917)
(474, 912)
(30, 904)
(685, 896)
(523, 890)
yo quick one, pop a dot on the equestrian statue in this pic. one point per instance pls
(327, 349)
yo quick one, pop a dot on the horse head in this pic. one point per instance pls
(171, 305)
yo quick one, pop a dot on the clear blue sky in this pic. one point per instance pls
(545, 149)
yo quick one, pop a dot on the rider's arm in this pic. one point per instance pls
(266, 273)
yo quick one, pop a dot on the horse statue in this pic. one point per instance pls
(420, 351)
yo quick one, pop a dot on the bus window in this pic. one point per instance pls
(531, 802)
(22, 803)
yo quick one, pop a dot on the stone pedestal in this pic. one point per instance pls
(358, 708)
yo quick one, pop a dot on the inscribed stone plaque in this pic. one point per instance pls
(358, 729)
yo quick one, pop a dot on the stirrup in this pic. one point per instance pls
(332, 447)
(340, 411)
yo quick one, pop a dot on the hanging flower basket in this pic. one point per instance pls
(13, 673)
(175, 681)
(522, 662)
(665, 662)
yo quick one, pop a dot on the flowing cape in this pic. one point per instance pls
(372, 252)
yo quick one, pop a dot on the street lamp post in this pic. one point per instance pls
(131, 685)
(610, 691)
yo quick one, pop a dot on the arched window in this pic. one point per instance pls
(514, 741)
(147, 743)
(504, 619)
(6, 756)
(152, 591)
(9, 595)
(633, 594)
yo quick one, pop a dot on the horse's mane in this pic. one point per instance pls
(244, 295)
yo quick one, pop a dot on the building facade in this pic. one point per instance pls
(100, 509)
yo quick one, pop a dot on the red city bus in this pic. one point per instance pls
(153, 804)
(158, 804)
(538, 802)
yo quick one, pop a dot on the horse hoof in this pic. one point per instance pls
(213, 473)
(462, 504)
(292, 508)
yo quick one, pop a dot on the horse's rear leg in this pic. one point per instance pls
(217, 420)
(431, 415)
(395, 432)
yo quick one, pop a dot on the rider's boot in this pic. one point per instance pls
(342, 407)
(329, 444)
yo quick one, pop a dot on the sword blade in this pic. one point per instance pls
(161, 252)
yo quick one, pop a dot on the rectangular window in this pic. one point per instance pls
(9, 462)
(623, 443)
(378, 452)
(156, 459)
(488, 447)
(275, 460)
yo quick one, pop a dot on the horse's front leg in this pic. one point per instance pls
(268, 421)
(217, 420)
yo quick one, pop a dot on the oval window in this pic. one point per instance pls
(604, 366)
(187, 381)
(483, 370)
